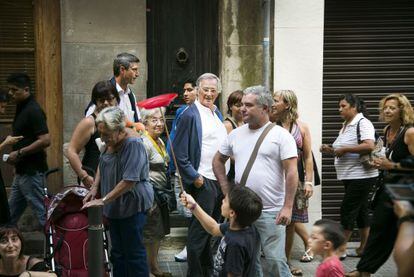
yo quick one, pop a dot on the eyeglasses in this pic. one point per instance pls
(109, 99)
(156, 120)
(212, 90)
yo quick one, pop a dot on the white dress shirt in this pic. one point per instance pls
(124, 104)
(213, 135)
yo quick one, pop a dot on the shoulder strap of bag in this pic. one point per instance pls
(133, 105)
(254, 154)
(358, 130)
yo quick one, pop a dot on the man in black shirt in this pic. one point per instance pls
(28, 155)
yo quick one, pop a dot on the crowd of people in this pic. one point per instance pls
(246, 177)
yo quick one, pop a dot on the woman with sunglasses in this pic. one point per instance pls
(104, 94)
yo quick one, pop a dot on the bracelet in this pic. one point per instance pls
(310, 183)
(103, 200)
(405, 218)
(193, 206)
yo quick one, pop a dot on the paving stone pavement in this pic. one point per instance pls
(173, 243)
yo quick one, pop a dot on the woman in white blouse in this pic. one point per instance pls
(357, 137)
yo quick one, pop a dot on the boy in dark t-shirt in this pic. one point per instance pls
(238, 247)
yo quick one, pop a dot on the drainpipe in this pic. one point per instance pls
(266, 44)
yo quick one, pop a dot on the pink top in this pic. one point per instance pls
(331, 267)
(297, 135)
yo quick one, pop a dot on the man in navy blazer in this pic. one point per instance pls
(199, 134)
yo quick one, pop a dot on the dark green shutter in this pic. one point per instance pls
(17, 45)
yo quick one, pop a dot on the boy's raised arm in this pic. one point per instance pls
(208, 223)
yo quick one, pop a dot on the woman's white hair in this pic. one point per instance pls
(146, 114)
(207, 76)
(112, 117)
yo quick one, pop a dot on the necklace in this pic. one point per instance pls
(391, 135)
(158, 145)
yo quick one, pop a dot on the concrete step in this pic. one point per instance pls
(177, 220)
(34, 243)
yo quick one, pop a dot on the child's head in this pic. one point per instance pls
(242, 204)
(327, 235)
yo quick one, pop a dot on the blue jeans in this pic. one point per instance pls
(27, 189)
(272, 241)
(128, 255)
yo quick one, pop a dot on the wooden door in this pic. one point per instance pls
(182, 43)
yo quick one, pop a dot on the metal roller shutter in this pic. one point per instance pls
(368, 51)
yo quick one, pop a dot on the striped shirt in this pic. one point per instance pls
(348, 167)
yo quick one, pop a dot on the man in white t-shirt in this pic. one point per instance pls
(276, 161)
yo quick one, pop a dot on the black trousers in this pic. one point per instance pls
(382, 236)
(199, 256)
(354, 206)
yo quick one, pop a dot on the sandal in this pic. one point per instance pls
(306, 258)
(353, 273)
(295, 271)
(353, 253)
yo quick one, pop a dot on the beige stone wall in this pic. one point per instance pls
(241, 54)
(93, 32)
(298, 65)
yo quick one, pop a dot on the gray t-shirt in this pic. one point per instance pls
(130, 163)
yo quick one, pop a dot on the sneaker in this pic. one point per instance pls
(182, 256)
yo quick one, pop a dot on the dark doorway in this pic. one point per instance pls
(182, 43)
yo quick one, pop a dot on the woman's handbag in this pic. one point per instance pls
(301, 201)
(366, 159)
(301, 170)
(162, 200)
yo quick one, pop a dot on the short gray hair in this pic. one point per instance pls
(206, 76)
(264, 97)
(113, 118)
(145, 114)
(125, 60)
